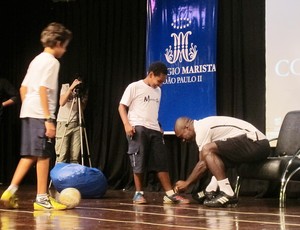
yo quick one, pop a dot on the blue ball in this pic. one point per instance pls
(91, 182)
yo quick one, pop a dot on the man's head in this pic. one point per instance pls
(157, 74)
(184, 129)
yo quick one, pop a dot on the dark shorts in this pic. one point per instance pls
(33, 139)
(147, 150)
(234, 151)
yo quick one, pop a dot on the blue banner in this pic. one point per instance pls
(182, 34)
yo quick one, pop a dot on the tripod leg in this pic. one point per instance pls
(87, 147)
(83, 132)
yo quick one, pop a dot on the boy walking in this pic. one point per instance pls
(39, 98)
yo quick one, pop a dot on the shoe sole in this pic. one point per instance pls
(222, 205)
(37, 207)
(140, 202)
(169, 202)
(231, 205)
(176, 202)
(7, 204)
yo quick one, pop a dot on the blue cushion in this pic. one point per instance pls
(91, 182)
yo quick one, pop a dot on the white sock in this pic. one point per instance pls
(170, 192)
(141, 192)
(13, 188)
(213, 185)
(41, 196)
(225, 187)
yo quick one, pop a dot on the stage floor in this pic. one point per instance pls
(116, 211)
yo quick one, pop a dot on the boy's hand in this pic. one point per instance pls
(50, 129)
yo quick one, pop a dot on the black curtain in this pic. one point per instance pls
(108, 51)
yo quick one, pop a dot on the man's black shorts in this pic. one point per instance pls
(240, 149)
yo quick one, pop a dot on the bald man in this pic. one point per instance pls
(223, 142)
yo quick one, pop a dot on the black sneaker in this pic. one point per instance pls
(222, 200)
(204, 195)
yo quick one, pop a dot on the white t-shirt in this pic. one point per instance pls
(64, 111)
(42, 71)
(143, 104)
(215, 128)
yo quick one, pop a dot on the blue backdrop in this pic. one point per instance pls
(182, 34)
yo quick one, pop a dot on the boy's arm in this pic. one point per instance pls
(50, 126)
(127, 126)
(23, 91)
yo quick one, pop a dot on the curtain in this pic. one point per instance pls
(108, 51)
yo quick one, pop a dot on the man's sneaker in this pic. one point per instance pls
(9, 200)
(48, 204)
(139, 198)
(204, 195)
(222, 200)
(175, 199)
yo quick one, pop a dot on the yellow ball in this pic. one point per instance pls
(70, 197)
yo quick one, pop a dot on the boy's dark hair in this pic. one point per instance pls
(158, 68)
(53, 33)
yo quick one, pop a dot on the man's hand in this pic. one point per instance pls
(181, 186)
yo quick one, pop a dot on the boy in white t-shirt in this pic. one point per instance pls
(39, 98)
(138, 110)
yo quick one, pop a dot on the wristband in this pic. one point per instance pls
(50, 120)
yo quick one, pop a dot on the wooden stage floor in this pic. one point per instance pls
(116, 211)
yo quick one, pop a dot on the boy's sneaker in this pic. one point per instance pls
(48, 204)
(204, 195)
(9, 200)
(222, 200)
(175, 199)
(139, 198)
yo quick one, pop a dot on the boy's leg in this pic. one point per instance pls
(139, 194)
(23, 167)
(171, 196)
(43, 201)
(165, 181)
(8, 197)
(42, 171)
(138, 181)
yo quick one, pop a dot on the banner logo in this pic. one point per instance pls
(181, 50)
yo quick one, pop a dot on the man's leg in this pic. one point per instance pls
(217, 168)
(213, 161)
